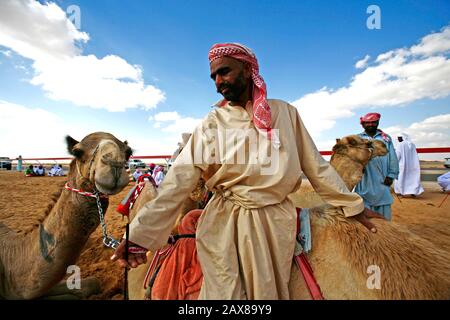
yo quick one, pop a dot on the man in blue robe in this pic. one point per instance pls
(380, 172)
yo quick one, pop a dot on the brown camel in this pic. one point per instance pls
(347, 258)
(31, 266)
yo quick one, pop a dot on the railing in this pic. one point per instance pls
(324, 153)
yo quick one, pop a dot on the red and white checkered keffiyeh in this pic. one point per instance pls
(262, 116)
(370, 117)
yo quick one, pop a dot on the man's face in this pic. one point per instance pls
(231, 77)
(400, 139)
(370, 126)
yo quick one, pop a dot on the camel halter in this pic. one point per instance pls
(108, 241)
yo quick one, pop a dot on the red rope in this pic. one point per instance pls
(306, 270)
(83, 193)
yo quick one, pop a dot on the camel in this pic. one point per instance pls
(346, 257)
(31, 266)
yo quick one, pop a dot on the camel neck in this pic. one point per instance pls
(54, 245)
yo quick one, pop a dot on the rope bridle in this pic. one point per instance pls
(108, 241)
(90, 166)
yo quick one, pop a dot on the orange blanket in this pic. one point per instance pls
(180, 276)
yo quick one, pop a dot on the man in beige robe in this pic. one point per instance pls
(252, 152)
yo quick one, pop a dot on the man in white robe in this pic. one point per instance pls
(408, 182)
(444, 181)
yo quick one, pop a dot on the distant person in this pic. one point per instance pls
(380, 172)
(56, 171)
(137, 174)
(40, 171)
(151, 168)
(29, 172)
(19, 164)
(444, 181)
(408, 182)
(158, 175)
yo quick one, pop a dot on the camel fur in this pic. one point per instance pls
(31, 266)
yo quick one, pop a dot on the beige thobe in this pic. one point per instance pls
(246, 234)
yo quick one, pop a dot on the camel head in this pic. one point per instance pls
(359, 149)
(351, 154)
(100, 160)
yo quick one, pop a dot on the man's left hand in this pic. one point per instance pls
(388, 181)
(364, 216)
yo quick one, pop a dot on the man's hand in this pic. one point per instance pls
(136, 255)
(388, 181)
(364, 216)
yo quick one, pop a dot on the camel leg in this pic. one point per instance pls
(88, 287)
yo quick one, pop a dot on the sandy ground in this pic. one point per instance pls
(23, 203)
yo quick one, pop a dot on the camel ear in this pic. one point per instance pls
(128, 152)
(339, 145)
(73, 146)
(125, 142)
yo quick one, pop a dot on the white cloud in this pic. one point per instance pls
(431, 132)
(37, 31)
(361, 64)
(397, 77)
(25, 131)
(43, 34)
(34, 132)
(6, 53)
(174, 123)
(434, 43)
(167, 116)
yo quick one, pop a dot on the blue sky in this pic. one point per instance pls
(139, 69)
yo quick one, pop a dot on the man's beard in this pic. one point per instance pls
(371, 130)
(234, 90)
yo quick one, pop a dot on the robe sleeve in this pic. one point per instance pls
(393, 167)
(323, 177)
(398, 151)
(152, 224)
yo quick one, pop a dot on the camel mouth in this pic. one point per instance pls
(107, 189)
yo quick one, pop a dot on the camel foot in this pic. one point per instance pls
(88, 287)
